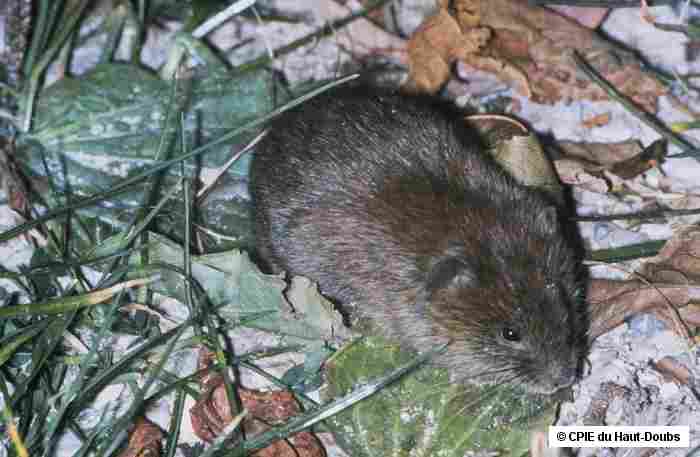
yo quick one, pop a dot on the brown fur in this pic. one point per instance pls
(388, 202)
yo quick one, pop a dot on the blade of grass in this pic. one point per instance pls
(137, 403)
(10, 343)
(45, 268)
(90, 441)
(41, 353)
(173, 383)
(631, 252)
(145, 222)
(143, 218)
(103, 378)
(127, 184)
(66, 31)
(75, 390)
(65, 304)
(10, 427)
(114, 26)
(40, 29)
(226, 435)
(175, 424)
(201, 309)
(643, 215)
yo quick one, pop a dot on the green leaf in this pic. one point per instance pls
(236, 288)
(425, 414)
(93, 131)
(115, 114)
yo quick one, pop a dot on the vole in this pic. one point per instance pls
(389, 202)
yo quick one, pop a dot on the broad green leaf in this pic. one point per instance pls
(91, 132)
(236, 288)
(424, 414)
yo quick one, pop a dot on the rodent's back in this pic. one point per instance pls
(388, 201)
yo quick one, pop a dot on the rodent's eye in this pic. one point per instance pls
(510, 334)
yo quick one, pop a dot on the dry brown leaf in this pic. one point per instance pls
(691, 315)
(437, 43)
(144, 440)
(518, 151)
(574, 173)
(212, 413)
(611, 302)
(678, 262)
(529, 48)
(603, 155)
(539, 41)
(668, 281)
(651, 157)
(14, 183)
(626, 159)
(597, 121)
(672, 370)
(467, 13)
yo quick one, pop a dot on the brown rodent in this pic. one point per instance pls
(387, 201)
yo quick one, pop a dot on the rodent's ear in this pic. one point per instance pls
(547, 220)
(451, 271)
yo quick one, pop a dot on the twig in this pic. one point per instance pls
(221, 171)
(221, 17)
(651, 121)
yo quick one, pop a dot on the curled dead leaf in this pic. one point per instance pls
(650, 157)
(529, 48)
(575, 173)
(611, 302)
(671, 280)
(467, 13)
(144, 440)
(212, 413)
(625, 159)
(518, 151)
(437, 43)
(672, 370)
(678, 262)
